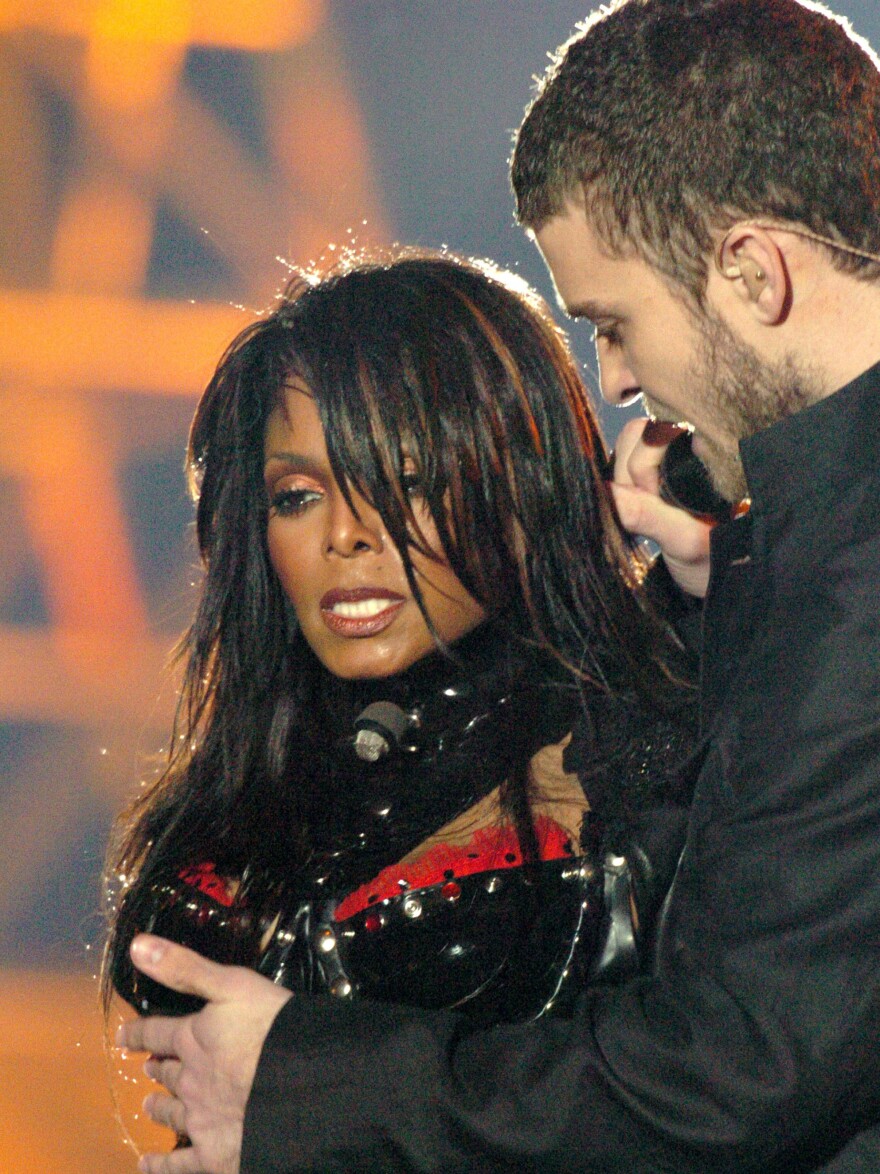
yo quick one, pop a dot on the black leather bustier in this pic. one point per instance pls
(502, 945)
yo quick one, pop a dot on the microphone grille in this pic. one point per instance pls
(378, 728)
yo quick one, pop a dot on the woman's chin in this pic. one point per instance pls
(372, 668)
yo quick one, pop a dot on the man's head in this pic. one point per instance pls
(674, 155)
(671, 119)
(687, 362)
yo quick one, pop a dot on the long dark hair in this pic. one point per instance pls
(421, 357)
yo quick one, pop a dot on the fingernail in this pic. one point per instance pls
(146, 949)
(658, 433)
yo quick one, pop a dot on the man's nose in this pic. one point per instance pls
(616, 382)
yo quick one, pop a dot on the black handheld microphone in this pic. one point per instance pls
(684, 482)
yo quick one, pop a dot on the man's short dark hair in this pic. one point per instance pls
(674, 118)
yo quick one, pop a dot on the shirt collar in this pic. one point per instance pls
(830, 443)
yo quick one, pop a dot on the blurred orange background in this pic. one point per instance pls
(106, 141)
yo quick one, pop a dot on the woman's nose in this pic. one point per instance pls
(354, 527)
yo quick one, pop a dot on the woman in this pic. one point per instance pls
(414, 581)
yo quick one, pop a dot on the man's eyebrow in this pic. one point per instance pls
(591, 310)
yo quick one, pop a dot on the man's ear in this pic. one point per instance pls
(750, 259)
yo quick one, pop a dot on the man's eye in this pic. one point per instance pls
(608, 333)
(288, 503)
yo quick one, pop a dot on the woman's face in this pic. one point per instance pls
(342, 573)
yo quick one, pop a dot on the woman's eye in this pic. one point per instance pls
(287, 503)
(411, 483)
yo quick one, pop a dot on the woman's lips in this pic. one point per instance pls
(361, 611)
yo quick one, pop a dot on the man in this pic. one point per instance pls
(703, 179)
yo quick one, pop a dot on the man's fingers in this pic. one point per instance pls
(164, 1071)
(166, 1110)
(680, 535)
(639, 452)
(646, 458)
(158, 1036)
(683, 538)
(184, 1161)
(627, 438)
(179, 968)
(637, 460)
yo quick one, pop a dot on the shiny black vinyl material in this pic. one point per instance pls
(500, 946)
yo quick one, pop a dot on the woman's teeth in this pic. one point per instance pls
(361, 610)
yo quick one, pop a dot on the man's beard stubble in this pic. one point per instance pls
(744, 394)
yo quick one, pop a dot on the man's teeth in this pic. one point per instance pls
(361, 610)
